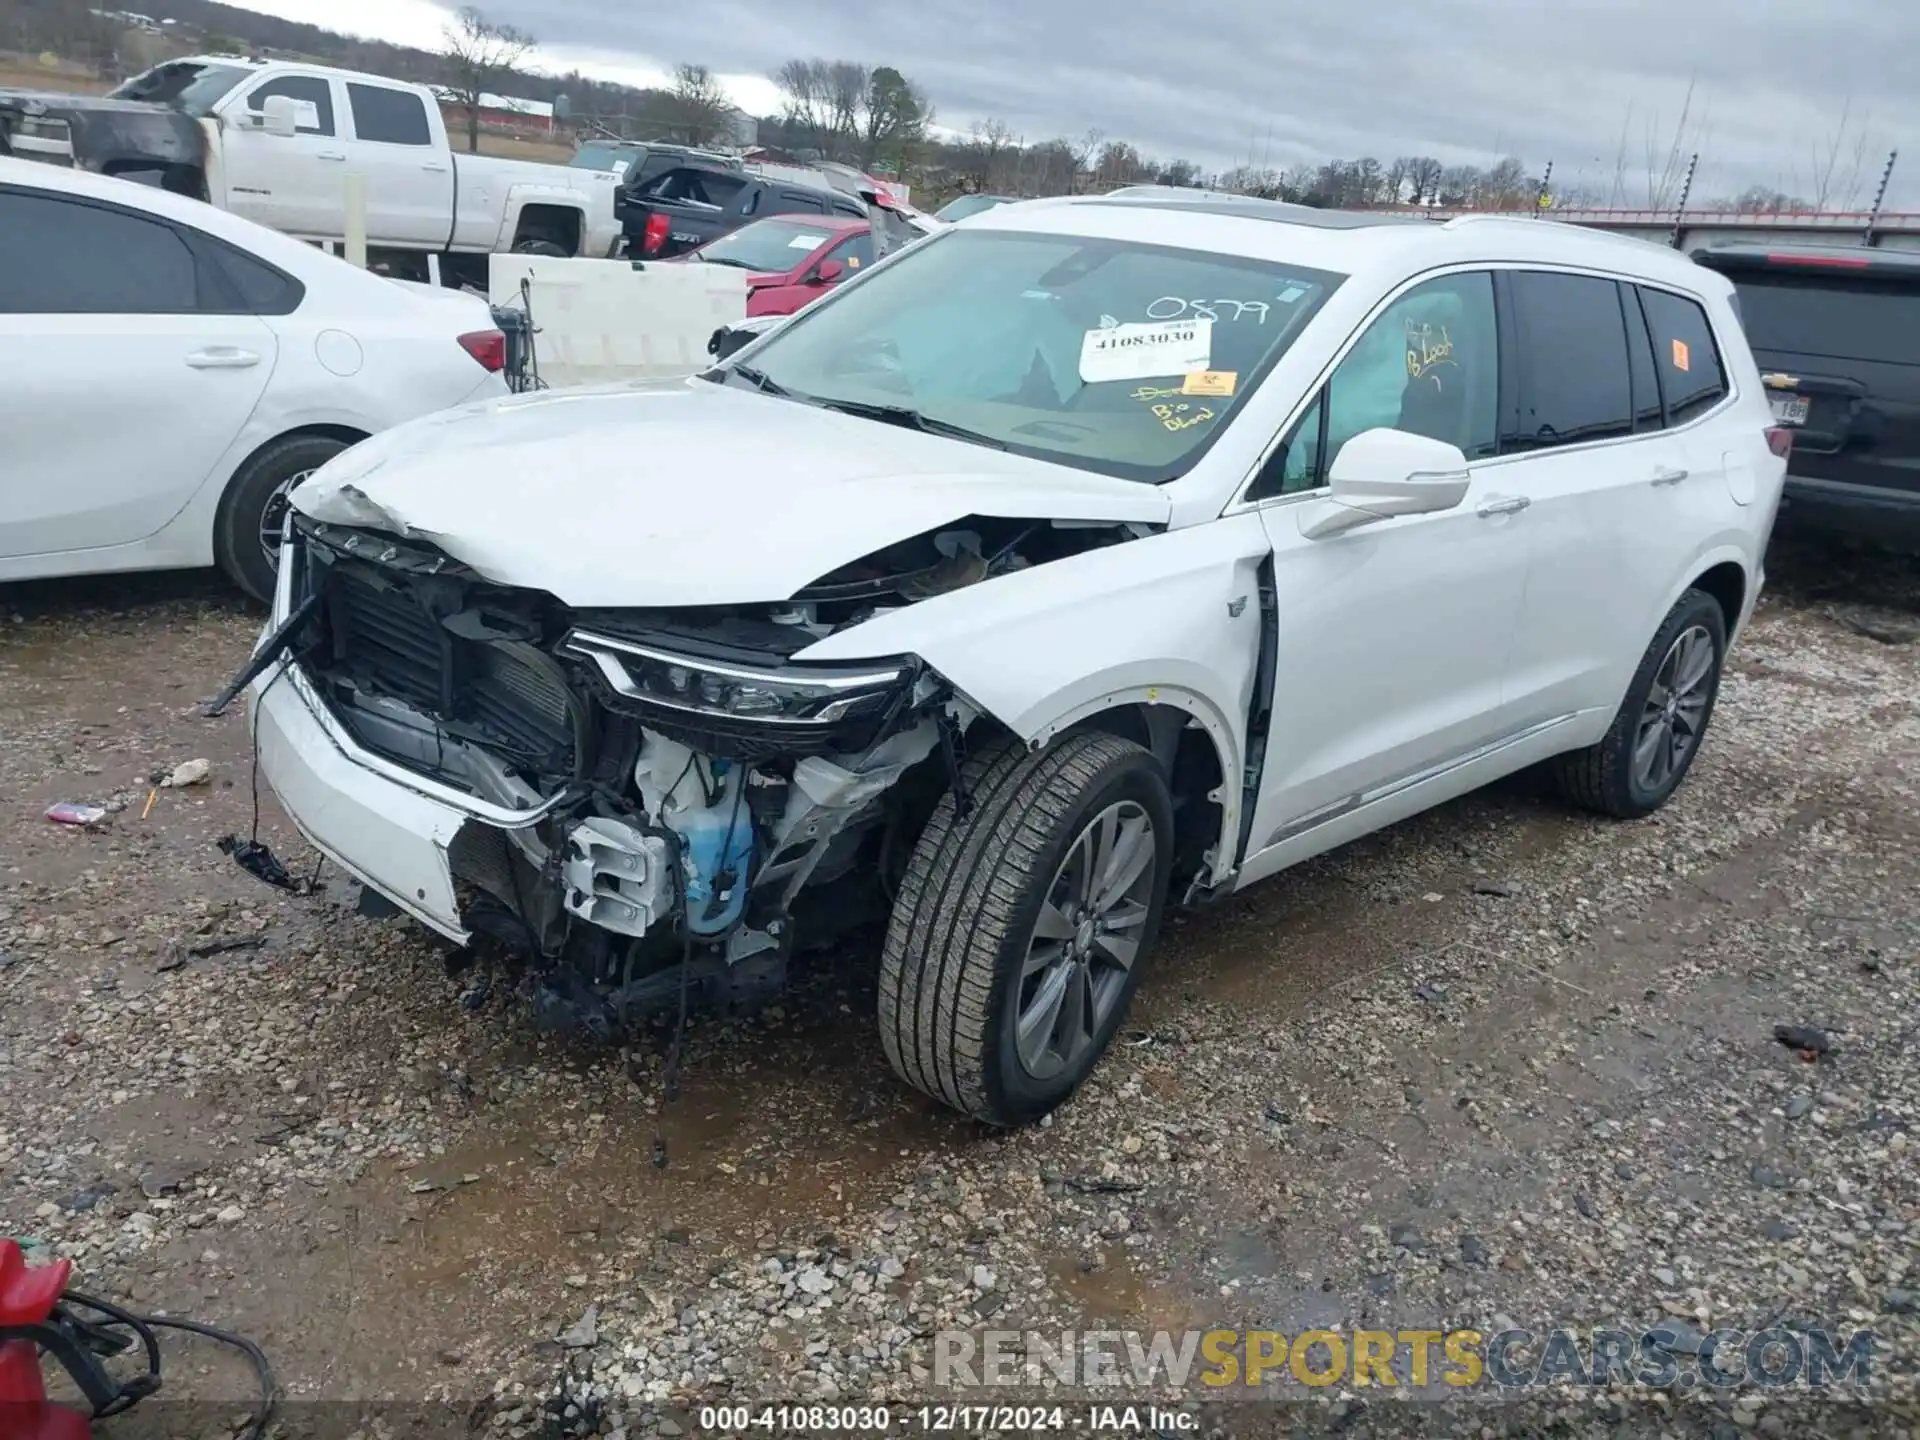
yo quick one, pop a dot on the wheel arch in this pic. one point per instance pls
(327, 430)
(1727, 582)
(1195, 743)
(564, 224)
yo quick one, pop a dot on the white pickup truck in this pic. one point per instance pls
(280, 137)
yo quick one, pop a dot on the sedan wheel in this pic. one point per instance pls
(273, 519)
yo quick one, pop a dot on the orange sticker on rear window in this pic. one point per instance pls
(1680, 356)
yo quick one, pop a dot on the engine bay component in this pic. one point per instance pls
(617, 877)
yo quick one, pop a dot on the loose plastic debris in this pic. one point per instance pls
(68, 813)
(260, 862)
(187, 772)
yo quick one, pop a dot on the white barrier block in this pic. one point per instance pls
(602, 320)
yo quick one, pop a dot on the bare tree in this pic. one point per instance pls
(1666, 171)
(1423, 179)
(847, 85)
(1084, 151)
(1119, 164)
(803, 98)
(700, 104)
(990, 141)
(480, 57)
(1838, 172)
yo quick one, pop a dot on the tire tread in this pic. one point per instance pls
(959, 902)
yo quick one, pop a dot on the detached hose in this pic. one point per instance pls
(143, 1326)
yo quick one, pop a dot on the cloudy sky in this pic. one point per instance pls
(1465, 80)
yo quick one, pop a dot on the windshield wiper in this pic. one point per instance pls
(911, 419)
(758, 379)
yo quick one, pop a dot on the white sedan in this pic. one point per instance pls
(169, 371)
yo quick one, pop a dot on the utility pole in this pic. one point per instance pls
(1686, 189)
(1879, 198)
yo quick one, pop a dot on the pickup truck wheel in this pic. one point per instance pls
(1651, 745)
(253, 513)
(1020, 929)
(541, 247)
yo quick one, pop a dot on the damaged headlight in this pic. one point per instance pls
(796, 695)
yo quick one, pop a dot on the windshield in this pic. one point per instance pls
(766, 245)
(190, 85)
(597, 156)
(967, 205)
(1107, 355)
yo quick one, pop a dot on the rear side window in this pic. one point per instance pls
(794, 202)
(1684, 354)
(262, 289)
(854, 251)
(393, 117)
(697, 187)
(1647, 414)
(312, 101)
(64, 257)
(1831, 319)
(1572, 364)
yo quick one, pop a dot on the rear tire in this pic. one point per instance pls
(254, 508)
(537, 246)
(1020, 932)
(1651, 745)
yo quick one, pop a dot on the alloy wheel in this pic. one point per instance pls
(1676, 709)
(1086, 939)
(273, 518)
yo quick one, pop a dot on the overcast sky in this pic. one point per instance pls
(1465, 80)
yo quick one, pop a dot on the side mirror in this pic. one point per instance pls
(280, 115)
(1381, 473)
(829, 272)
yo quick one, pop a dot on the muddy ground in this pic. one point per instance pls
(1502, 1065)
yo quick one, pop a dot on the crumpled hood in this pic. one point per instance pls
(684, 492)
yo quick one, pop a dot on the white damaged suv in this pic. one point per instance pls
(1096, 555)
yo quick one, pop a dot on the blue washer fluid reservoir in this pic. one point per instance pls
(717, 838)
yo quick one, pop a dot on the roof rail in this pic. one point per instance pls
(1512, 219)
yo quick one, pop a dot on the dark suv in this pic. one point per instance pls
(689, 205)
(1837, 333)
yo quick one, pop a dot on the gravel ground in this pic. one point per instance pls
(1499, 1066)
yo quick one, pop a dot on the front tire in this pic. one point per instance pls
(1019, 933)
(1640, 762)
(252, 513)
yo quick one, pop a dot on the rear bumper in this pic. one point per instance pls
(1876, 512)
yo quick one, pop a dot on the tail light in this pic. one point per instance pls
(654, 239)
(488, 347)
(1780, 440)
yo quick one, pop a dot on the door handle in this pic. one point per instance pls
(1503, 505)
(436, 169)
(329, 155)
(223, 357)
(1666, 475)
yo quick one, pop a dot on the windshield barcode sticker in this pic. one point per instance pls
(1143, 351)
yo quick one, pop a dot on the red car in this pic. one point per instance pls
(794, 259)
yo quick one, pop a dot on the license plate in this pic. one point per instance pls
(1789, 409)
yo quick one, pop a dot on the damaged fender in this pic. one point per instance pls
(1169, 619)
